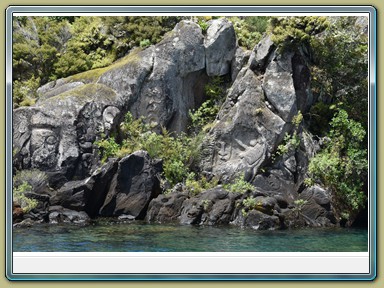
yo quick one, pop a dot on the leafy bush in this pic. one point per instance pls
(207, 112)
(342, 165)
(178, 153)
(107, 148)
(25, 203)
(35, 178)
(197, 186)
(239, 185)
(340, 73)
(294, 31)
(24, 92)
(145, 43)
(250, 29)
(291, 141)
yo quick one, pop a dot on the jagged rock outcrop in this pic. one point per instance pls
(58, 214)
(166, 208)
(212, 207)
(246, 132)
(133, 186)
(163, 83)
(220, 47)
(88, 194)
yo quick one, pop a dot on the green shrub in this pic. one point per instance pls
(145, 43)
(250, 202)
(24, 92)
(107, 148)
(19, 197)
(290, 141)
(203, 25)
(207, 112)
(340, 70)
(197, 186)
(239, 185)
(249, 30)
(299, 204)
(35, 178)
(293, 31)
(178, 153)
(342, 165)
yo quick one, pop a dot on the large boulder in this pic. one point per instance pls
(88, 194)
(318, 209)
(212, 207)
(58, 214)
(134, 185)
(220, 47)
(166, 208)
(176, 82)
(261, 55)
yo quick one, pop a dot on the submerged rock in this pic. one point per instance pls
(59, 214)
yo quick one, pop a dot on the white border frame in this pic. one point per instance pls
(332, 269)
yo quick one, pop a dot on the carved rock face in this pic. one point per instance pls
(246, 133)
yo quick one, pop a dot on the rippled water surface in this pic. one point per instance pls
(112, 237)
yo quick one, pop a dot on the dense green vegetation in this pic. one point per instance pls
(179, 153)
(340, 82)
(294, 31)
(24, 182)
(48, 48)
(215, 96)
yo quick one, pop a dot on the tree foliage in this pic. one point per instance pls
(47, 48)
(340, 70)
(294, 31)
(342, 165)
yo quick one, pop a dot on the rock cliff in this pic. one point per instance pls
(163, 83)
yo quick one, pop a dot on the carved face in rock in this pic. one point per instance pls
(44, 146)
(239, 151)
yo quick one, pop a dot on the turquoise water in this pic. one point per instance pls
(140, 237)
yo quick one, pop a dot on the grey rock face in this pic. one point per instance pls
(87, 194)
(211, 207)
(166, 208)
(260, 221)
(261, 55)
(318, 208)
(220, 46)
(53, 135)
(59, 214)
(246, 131)
(279, 88)
(239, 61)
(134, 185)
(176, 77)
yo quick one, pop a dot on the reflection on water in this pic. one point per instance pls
(141, 237)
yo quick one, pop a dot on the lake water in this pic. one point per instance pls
(141, 237)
